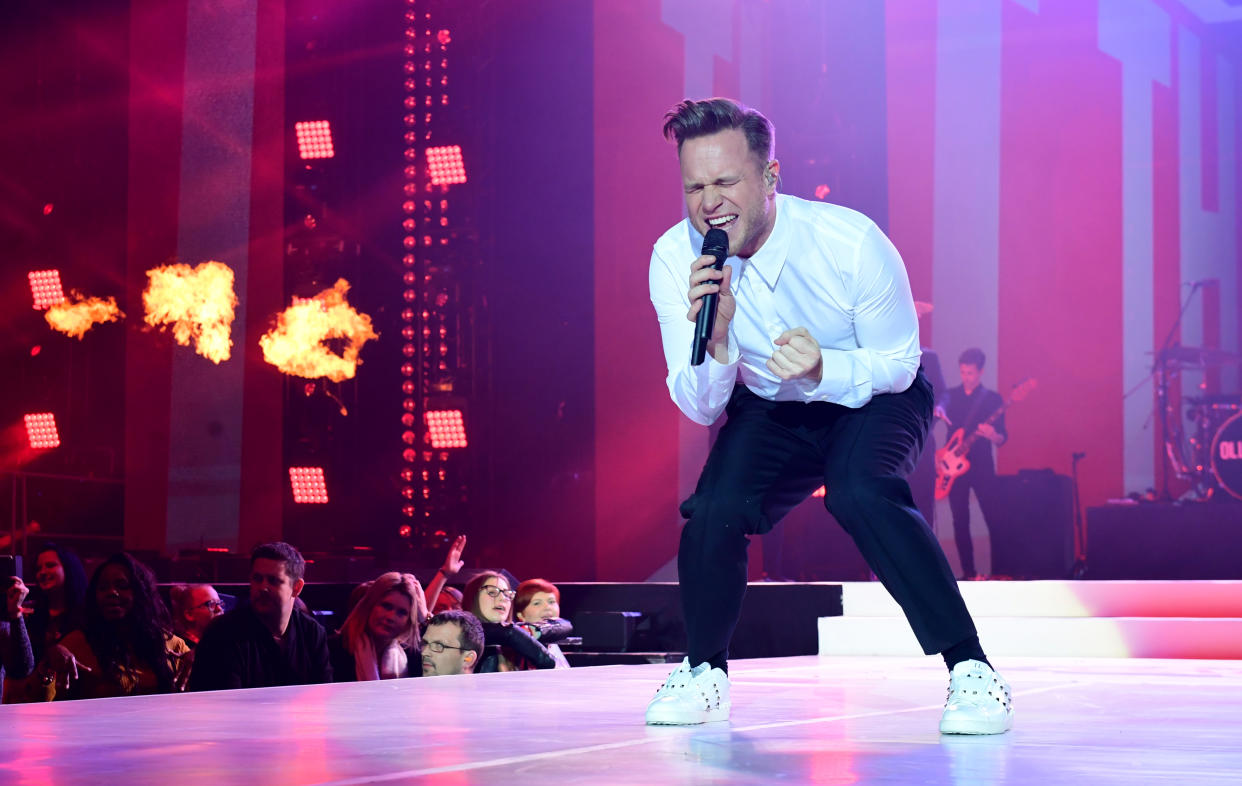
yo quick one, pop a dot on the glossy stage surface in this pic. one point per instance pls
(795, 720)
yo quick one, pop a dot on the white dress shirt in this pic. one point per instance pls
(824, 267)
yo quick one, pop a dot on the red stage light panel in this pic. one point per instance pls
(445, 165)
(41, 430)
(308, 485)
(446, 428)
(45, 288)
(314, 139)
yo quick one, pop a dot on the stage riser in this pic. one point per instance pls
(1068, 599)
(1105, 637)
(1165, 541)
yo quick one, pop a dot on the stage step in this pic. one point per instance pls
(1067, 599)
(1142, 619)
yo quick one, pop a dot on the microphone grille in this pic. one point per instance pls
(716, 243)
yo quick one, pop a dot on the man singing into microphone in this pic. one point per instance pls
(814, 356)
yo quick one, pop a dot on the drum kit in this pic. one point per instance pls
(1209, 453)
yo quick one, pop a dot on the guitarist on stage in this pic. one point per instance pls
(966, 407)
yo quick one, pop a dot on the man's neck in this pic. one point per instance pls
(970, 390)
(276, 627)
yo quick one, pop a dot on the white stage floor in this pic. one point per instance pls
(795, 720)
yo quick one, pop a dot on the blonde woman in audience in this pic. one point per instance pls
(380, 637)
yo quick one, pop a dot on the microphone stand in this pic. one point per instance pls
(1161, 373)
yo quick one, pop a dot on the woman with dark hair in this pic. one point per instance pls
(379, 640)
(57, 595)
(506, 646)
(125, 646)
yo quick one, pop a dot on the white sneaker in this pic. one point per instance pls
(690, 696)
(978, 701)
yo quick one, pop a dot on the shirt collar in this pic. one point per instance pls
(769, 260)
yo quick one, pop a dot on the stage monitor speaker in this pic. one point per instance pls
(1031, 521)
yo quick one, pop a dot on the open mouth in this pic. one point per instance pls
(722, 222)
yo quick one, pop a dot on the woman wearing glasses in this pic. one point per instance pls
(489, 597)
(380, 639)
(194, 606)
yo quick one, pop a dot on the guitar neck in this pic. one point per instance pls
(970, 440)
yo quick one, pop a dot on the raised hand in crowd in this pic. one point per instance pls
(16, 596)
(452, 565)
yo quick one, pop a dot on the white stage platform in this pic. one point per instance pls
(1111, 619)
(795, 720)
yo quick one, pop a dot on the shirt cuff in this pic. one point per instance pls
(839, 378)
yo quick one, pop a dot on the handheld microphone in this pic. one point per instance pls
(715, 243)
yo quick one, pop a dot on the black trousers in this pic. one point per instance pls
(768, 457)
(981, 477)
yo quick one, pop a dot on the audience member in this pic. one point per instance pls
(380, 637)
(537, 608)
(491, 600)
(16, 658)
(194, 606)
(449, 600)
(125, 646)
(452, 643)
(264, 643)
(452, 565)
(57, 596)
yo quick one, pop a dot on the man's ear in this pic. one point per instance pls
(468, 658)
(297, 587)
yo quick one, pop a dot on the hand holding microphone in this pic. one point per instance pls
(711, 301)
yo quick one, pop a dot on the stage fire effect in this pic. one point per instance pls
(298, 343)
(197, 302)
(75, 316)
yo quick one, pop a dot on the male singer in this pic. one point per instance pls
(814, 356)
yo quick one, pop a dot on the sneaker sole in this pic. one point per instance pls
(714, 716)
(964, 727)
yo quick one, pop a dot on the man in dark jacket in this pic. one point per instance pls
(266, 642)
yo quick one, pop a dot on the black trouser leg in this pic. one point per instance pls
(867, 456)
(959, 504)
(762, 464)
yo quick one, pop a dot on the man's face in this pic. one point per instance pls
(970, 375)
(542, 606)
(450, 661)
(205, 606)
(271, 590)
(726, 188)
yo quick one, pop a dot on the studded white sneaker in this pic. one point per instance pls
(690, 696)
(979, 701)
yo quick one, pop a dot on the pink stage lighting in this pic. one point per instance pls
(45, 288)
(308, 485)
(41, 430)
(820, 492)
(314, 139)
(446, 428)
(445, 165)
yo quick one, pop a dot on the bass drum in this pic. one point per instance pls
(1227, 456)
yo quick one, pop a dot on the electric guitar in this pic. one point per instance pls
(951, 461)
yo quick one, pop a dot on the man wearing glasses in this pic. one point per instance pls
(194, 607)
(452, 644)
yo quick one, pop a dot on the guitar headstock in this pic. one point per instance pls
(1020, 390)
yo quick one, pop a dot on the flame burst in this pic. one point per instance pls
(75, 315)
(198, 302)
(296, 345)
